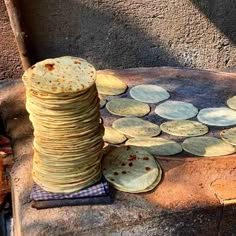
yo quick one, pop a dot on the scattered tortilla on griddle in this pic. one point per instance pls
(102, 102)
(110, 84)
(131, 169)
(149, 93)
(176, 110)
(156, 146)
(207, 146)
(133, 127)
(229, 135)
(150, 188)
(127, 107)
(231, 102)
(220, 116)
(113, 136)
(187, 128)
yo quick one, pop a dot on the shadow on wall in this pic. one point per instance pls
(89, 27)
(222, 14)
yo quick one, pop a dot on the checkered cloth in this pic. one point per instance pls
(97, 190)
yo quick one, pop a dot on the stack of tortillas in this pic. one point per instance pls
(131, 169)
(63, 103)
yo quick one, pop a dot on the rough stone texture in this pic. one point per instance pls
(134, 33)
(228, 224)
(10, 64)
(189, 200)
(226, 195)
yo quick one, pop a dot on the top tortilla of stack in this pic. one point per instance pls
(63, 75)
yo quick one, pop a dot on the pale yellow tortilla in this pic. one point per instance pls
(156, 146)
(102, 102)
(60, 75)
(220, 116)
(136, 127)
(150, 188)
(130, 169)
(185, 128)
(229, 135)
(127, 107)
(231, 102)
(176, 110)
(113, 136)
(207, 146)
(149, 93)
(110, 84)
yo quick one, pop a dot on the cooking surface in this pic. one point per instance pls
(201, 88)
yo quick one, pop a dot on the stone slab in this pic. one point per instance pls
(185, 203)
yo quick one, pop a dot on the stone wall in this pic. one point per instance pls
(125, 33)
(132, 33)
(10, 65)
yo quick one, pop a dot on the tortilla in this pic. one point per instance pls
(133, 127)
(207, 146)
(110, 84)
(176, 110)
(150, 188)
(60, 75)
(221, 116)
(231, 102)
(127, 107)
(113, 136)
(229, 135)
(149, 93)
(156, 146)
(102, 102)
(131, 169)
(187, 128)
(68, 134)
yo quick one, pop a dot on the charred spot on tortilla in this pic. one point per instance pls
(50, 66)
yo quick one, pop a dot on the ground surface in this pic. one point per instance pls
(197, 196)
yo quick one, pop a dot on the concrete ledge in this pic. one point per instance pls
(196, 197)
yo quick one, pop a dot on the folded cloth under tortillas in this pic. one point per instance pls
(99, 193)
